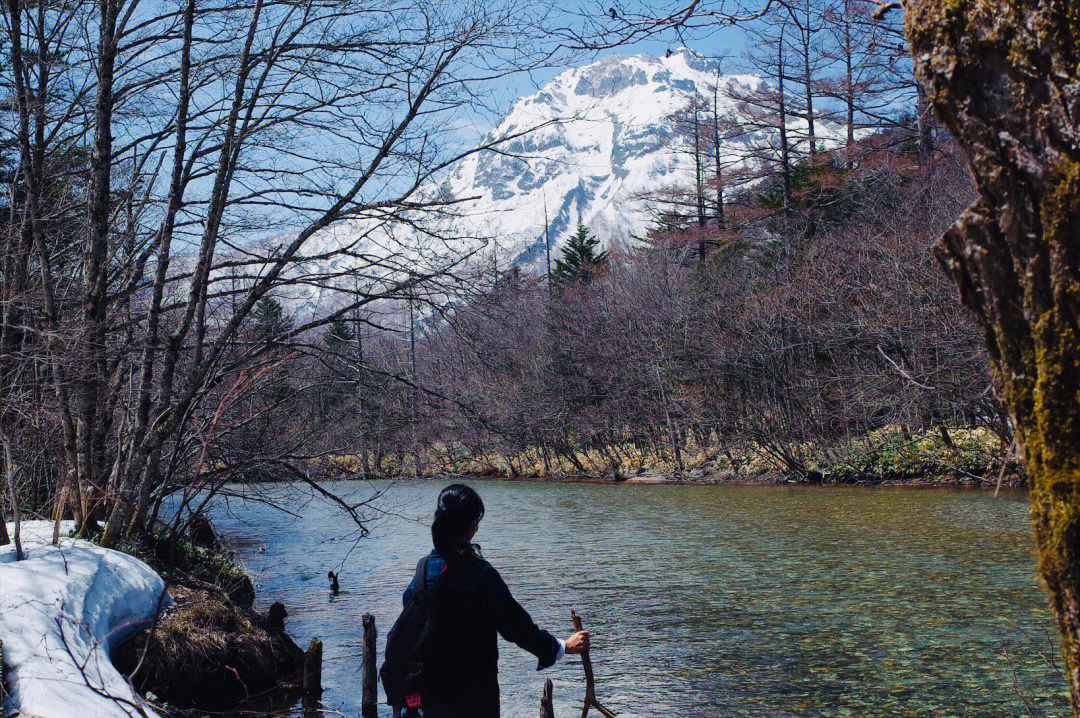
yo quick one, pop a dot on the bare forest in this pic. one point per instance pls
(168, 169)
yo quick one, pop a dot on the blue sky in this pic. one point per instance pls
(728, 41)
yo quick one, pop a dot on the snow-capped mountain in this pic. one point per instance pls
(603, 137)
(589, 144)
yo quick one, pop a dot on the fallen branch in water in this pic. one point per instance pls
(590, 682)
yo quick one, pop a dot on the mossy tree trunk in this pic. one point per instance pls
(1004, 77)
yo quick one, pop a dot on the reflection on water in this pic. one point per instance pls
(703, 600)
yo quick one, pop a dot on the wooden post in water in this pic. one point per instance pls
(370, 700)
(547, 710)
(590, 682)
(313, 668)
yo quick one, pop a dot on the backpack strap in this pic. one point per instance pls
(420, 579)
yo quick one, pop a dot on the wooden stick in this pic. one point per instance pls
(590, 681)
(1004, 465)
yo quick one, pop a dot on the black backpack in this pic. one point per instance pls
(408, 645)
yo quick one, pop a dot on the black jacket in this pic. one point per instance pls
(470, 609)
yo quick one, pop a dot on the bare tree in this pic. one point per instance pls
(197, 160)
(805, 41)
(871, 79)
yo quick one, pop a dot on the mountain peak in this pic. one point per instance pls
(603, 138)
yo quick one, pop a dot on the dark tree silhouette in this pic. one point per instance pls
(581, 261)
(338, 335)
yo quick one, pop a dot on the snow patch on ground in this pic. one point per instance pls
(62, 609)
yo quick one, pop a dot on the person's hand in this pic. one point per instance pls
(577, 643)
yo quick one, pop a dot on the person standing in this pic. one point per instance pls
(471, 605)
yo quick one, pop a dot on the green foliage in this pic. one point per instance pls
(822, 186)
(269, 320)
(804, 180)
(890, 454)
(338, 334)
(580, 261)
(181, 561)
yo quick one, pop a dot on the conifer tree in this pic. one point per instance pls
(580, 261)
(338, 334)
(269, 319)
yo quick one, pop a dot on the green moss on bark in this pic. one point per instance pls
(1004, 76)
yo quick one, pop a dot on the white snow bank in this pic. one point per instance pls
(61, 610)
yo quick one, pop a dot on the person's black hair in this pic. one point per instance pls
(458, 507)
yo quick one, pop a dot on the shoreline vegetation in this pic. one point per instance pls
(211, 651)
(888, 457)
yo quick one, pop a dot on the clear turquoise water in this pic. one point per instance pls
(703, 600)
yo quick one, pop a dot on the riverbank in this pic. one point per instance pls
(84, 625)
(213, 652)
(768, 479)
(890, 456)
(1010, 481)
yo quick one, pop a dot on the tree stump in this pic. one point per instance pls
(313, 668)
(370, 699)
(547, 709)
(275, 619)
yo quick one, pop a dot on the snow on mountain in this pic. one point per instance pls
(604, 137)
(589, 144)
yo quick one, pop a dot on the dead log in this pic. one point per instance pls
(313, 668)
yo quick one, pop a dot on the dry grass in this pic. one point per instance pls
(208, 653)
(885, 455)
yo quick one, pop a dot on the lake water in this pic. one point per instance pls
(703, 600)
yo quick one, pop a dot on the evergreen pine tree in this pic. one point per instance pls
(269, 319)
(338, 334)
(580, 261)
